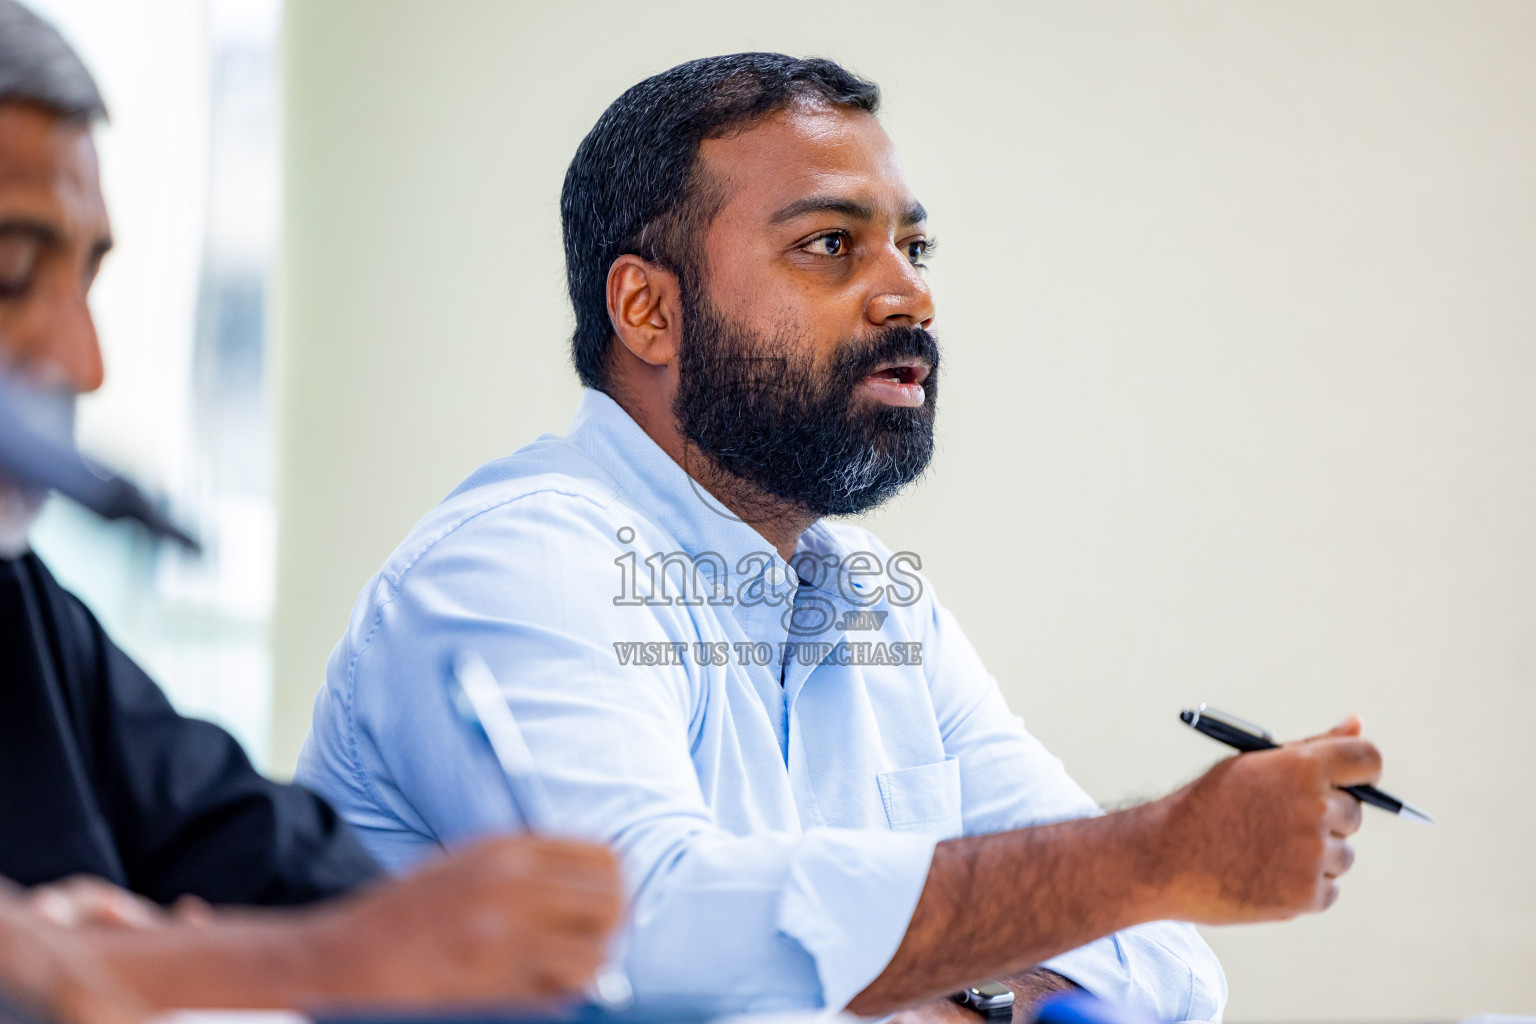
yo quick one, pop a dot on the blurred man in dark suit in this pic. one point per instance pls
(115, 805)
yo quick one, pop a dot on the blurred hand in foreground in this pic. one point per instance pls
(512, 918)
(48, 970)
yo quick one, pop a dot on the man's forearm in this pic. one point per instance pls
(996, 905)
(252, 960)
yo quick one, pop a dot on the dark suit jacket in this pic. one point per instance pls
(100, 776)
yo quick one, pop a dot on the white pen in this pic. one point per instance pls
(479, 701)
(489, 712)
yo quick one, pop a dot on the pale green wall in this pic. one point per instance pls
(1237, 300)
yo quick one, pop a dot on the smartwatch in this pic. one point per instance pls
(992, 999)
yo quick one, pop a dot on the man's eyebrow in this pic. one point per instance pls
(30, 227)
(824, 204)
(851, 208)
(48, 234)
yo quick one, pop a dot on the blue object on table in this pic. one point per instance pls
(1082, 1008)
(15, 1011)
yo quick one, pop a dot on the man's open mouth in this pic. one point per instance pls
(913, 372)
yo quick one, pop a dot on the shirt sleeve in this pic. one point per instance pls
(751, 919)
(188, 812)
(1009, 780)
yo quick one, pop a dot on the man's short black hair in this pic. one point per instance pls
(37, 66)
(633, 186)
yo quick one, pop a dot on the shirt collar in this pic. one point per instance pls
(679, 503)
(699, 523)
(650, 478)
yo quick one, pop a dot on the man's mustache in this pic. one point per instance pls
(888, 345)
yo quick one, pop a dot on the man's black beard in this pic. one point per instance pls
(802, 435)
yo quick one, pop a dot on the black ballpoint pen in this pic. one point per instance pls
(1245, 737)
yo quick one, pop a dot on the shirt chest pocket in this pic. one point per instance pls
(923, 799)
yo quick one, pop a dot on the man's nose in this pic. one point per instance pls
(70, 353)
(902, 295)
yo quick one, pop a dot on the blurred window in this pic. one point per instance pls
(190, 171)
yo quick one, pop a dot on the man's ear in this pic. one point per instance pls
(645, 308)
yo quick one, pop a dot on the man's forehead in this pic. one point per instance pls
(41, 151)
(809, 150)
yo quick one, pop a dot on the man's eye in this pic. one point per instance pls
(18, 258)
(829, 245)
(919, 250)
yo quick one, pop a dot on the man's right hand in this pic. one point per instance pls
(1263, 836)
(509, 919)
(1259, 837)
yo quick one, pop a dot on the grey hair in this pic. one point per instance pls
(38, 66)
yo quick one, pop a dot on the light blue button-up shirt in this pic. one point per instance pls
(774, 753)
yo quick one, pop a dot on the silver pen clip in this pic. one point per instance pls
(1226, 718)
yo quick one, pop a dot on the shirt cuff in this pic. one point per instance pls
(1134, 970)
(848, 900)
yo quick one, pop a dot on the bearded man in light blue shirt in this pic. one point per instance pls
(818, 793)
